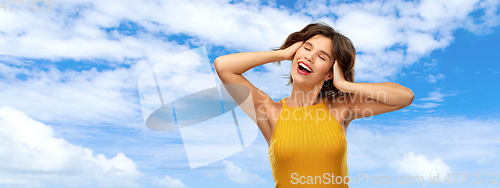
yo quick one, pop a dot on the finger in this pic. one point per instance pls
(299, 43)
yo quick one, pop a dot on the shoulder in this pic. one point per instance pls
(279, 101)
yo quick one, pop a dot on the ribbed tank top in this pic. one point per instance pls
(308, 147)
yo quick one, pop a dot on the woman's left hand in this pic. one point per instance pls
(338, 76)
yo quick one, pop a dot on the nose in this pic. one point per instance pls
(308, 57)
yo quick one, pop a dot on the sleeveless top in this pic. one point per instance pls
(308, 148)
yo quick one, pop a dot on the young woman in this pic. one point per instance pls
(306, 130)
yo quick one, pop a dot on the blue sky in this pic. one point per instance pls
(70, 110)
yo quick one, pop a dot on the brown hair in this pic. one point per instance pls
(343, 51)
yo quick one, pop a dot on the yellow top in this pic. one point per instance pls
(308, 148)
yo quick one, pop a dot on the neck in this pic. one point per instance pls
(304, 96)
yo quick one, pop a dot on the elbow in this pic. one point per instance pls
(410, 97)
(218, 66)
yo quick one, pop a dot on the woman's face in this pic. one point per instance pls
(315, 54)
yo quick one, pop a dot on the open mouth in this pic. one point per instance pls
(303, 69)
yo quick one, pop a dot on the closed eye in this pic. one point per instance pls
(307, 49)
(321, 58)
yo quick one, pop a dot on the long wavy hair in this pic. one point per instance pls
(343, 51)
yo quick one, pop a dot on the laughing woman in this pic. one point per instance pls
(306, 131)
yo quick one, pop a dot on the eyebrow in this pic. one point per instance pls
(320, 50)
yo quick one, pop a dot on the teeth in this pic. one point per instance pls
(305, 67)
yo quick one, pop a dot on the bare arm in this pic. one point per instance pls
(230, 69)
(239, 63)
(389, 93)
(370, 99)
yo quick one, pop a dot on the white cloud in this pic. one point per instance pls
(109, 96)
(30, 155)
(416, 28)
(315, 8)
(369, 32)
(489, 20)
(61, 34)
(394, 34)
(433, 97)
(424, 144)
(433, 79)
(391, 35)
(436, 96)
(70, 97)
(422, 43)
(169, 182)
(426, 105)
(237, 175)
(420, 165)
(430, 64)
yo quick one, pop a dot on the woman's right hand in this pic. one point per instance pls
(289, 53)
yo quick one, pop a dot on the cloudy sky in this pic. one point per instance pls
(70, 107)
